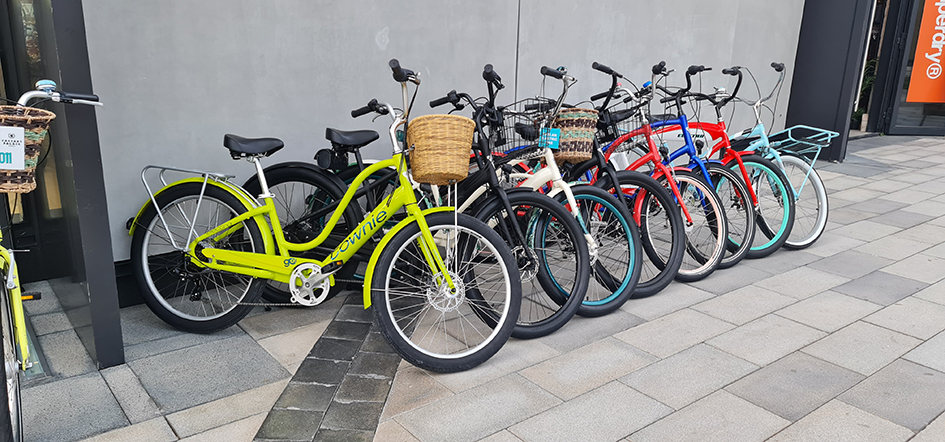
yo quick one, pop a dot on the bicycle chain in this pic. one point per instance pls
(292, 304)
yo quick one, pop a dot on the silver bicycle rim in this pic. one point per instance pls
(11, 368)
(700, 235)
(810, 216)
(424, 318)
(225, 293)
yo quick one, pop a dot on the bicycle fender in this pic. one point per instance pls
(380, 248)
(247, 203)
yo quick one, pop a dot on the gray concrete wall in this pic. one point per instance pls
(177, 74)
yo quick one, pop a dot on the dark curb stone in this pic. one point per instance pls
(375, 343)
(354, 313)
(336, 349)
(353, 331)
(378, 364)
(290, 424)
(363, 389)
(326, 435)
(321, 371)
(353, 416)
(310, 397)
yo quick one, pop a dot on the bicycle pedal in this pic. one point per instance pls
(31, 296)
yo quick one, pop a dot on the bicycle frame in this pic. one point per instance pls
(14, 292)
(279, 267)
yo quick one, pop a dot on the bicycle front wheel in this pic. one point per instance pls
(436, 327)
(774, 214)
(554, 265)
(739, 212)
(11, 423)
(187, 296)
(810, 201)
(706, 235)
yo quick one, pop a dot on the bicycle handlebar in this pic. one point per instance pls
(372, 106)
(549, 72)
(779, 67)
(400, 74)
(605, 69)
(659, 68)
(490, 76)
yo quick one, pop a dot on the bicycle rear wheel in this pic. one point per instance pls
(811, 205)
(739, 212)
(553, 263)
(706, 235)
(11, 422)
(430, 325)
(187, 296)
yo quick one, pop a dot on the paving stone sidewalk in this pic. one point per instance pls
(842, 341)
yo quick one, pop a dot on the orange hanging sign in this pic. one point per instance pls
(926, 84)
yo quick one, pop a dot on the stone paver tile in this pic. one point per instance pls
(920, 267)
(903, 392)
(47, 304)
(732, 279)
(126, 387)
(285, 320)
(363, 388)
(866, 230)
(859, 194)
(293, 425)
(937, 251)
(223, 411)
(672, 298)
(375, 364)
(322, 371)
(413, 388)
(900, 219)
(62, 405)
(743, 305)
(831, 244)
(674, 332)
(688, 375)
(291, 348)
(50, 323)
(829, 311)
(326, 435)
(392, 431)
(892, 247)
(881, 288)
(766, 340)
(849, 214)
(176, 342)
(352, 416)
(783, 261)
(233, 431)
(579, 371)
(139, 324)
(515, 355)
(231, 365)
(923, 232)
(65, 353)
(875, 206)
(502, 436)
(606, 413)
(851, 264)
(908, 196)
(930, 354)
(838, 421)
(580, 331)
(934, 293)
(912, 316)
(335, 349)
(886, 185)
(721, 417)
(935, 432)
(930, 208)
(862, 347)
(795, 385)
(309, 397)
(478, 412)
(153, 430)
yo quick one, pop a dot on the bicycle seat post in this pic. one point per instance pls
(263, 185)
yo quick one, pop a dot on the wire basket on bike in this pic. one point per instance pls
(441, 145)
(518, 138)
(35, 123)
(577, 134)
(617, 121)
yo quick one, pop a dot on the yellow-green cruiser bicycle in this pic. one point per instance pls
(444, 286)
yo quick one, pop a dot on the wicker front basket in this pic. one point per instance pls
(578, 128)
(35, 123)
(441, 146)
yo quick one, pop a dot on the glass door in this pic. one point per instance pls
(919, 104)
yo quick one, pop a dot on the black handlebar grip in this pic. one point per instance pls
(440, 101)
(489, 75)
(74, 96)
(401, 75)
(366, 109)
(733, 71)
(658, 68)
(777, 66)
(605, 69)
(695, 69)
(599, 96)
(545, 70)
